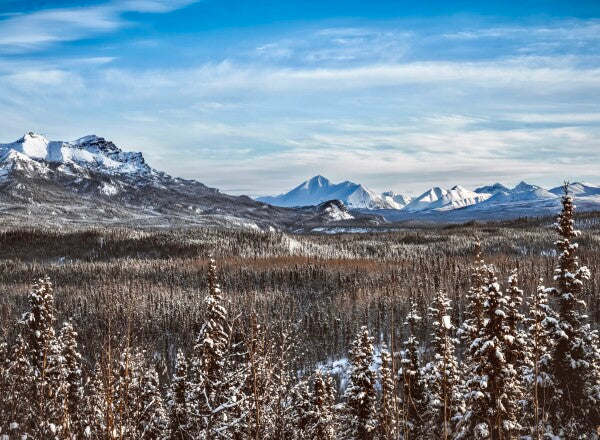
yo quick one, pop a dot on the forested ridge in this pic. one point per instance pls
(481, 331)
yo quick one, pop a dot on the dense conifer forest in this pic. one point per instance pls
(473, 331)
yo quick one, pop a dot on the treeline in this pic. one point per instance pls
(503, 367)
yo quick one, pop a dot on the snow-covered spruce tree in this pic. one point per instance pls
(323, 423)
(442, 373)
(517, 353)
(388, 404)
(218, 373)
(517, 348)
(18, 402)
(208, 363)
(537, 378)
(152, 418)
(359, 419)
(492, 386)
(300, 416)
(276, 408)
(178, 408)
(414, 402)
(473, 316)
(575, 406)
(38, 323)
(45, 360)
(97, 411)
(51, 414)
(311, 411)
(71, 389)
(127, 389)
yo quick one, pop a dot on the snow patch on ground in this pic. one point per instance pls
(108, 189)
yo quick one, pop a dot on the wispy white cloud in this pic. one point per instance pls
(21, 32)
(351, 103)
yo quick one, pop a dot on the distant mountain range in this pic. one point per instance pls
(523, 199)
(319, 189)
(90, 181)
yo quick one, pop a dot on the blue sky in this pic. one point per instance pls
(254, 97)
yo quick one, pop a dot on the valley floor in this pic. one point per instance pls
(306, 295)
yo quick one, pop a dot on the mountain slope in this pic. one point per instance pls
(455, 198)
(424, 200)
(397, 201)
(521, 193)
(319, 189)
(578, 189)
(491, 189)
(91, 180)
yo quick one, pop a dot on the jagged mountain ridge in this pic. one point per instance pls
(91, 180)
(456, 202)
(398, 201)
(319, 189)
(578, 189)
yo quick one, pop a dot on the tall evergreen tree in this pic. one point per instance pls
(301, 412)
(516, 339)
(473, 319)
(414, 403)
(217, 372)
(39, 324)
(45, 359)
(575, 406)
(516, 345)
(71, 389)
(493, 388)
(208, 364)
(152, 418)
(177, 401)
(360, 418)
(388, 406)
(18, 405)
(442, 373)
(538, 378)
(323, 399)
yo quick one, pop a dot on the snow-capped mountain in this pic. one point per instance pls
(457, 197)
(523, 192)
(398, 201)
(438, 199)
(491, 189)
(319, 189)
(423, 201)
(91, 180)
(522, 200)
(89, 152)
(334, 211)
(578, 189)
